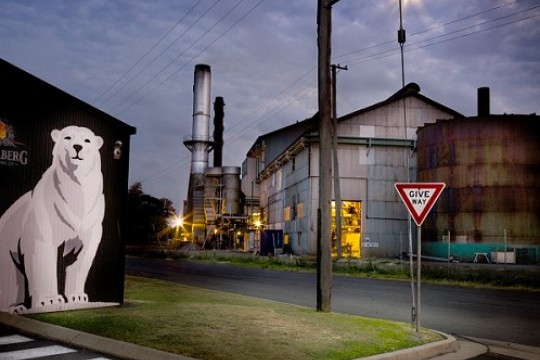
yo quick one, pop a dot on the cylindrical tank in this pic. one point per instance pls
(491, 166)
(231, 190)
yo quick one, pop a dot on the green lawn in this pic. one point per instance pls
(208, 324)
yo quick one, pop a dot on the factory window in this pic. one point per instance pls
(244, 168)
(287, 213)
(351, 228)
(276, 180)
(293, 164)
(300, 210)
(257, 167)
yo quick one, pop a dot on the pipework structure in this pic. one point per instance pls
(200, 144)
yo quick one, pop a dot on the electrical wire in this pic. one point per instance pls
(283, 105)
(162, 174)
(193, 58)
(145, 55)
(170, 63)
(417, 45)
(377, 56)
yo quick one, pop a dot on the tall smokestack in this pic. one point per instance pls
(483, 102)
(218, 131)
(199, 144)
(201, 119)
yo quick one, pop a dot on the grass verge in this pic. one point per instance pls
(208, 324)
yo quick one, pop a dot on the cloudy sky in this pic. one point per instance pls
(134, 59)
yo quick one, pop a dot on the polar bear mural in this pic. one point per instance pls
(65, 209)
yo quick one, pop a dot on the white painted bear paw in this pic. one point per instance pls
(48, 301)
(18, 309)
(77, 298)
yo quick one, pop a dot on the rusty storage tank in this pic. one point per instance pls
(491, 166)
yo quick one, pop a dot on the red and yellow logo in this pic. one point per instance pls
(8, 155)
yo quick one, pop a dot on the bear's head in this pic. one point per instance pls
(77, 149)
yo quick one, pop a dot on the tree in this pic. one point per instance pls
(147, 216)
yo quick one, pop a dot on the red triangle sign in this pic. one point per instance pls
(419, 198)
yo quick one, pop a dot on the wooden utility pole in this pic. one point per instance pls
(337, 187)
(324, 236)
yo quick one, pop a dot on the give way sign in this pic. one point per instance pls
(419, 198)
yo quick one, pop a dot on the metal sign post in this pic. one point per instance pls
(419, 198)
(418, 277)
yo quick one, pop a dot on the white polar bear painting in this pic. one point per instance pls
(64, 210)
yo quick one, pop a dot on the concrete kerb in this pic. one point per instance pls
(448, 345)
(110, 347)
(130, 351)
(508, 349)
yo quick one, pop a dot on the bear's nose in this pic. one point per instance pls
(77, 147)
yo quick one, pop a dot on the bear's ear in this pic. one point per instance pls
(55, 134)
(99, 142)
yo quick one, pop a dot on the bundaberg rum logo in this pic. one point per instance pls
(10, 152)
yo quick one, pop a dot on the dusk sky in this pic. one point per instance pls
(134, 59)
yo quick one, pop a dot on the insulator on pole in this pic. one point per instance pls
(401, 36)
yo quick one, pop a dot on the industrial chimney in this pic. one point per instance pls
(218, 131)
(483, 102)
(200, 145)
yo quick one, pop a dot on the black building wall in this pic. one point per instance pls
(29, 110)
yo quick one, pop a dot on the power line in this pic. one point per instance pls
(387, 42)
(379, 56)
(390, 52)
(159, 55)
(384, 54)
(164, 173)
(146, 54)
(193, 58)
(370, 47)
(281, 107)
(171, 63)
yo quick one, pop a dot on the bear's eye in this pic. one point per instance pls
(87, 141)
(67, 138)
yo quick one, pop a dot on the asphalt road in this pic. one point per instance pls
(490, 314)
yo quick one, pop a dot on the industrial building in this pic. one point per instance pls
(376, 147)
(491, 167)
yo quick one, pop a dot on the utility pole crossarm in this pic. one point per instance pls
(331, 3)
